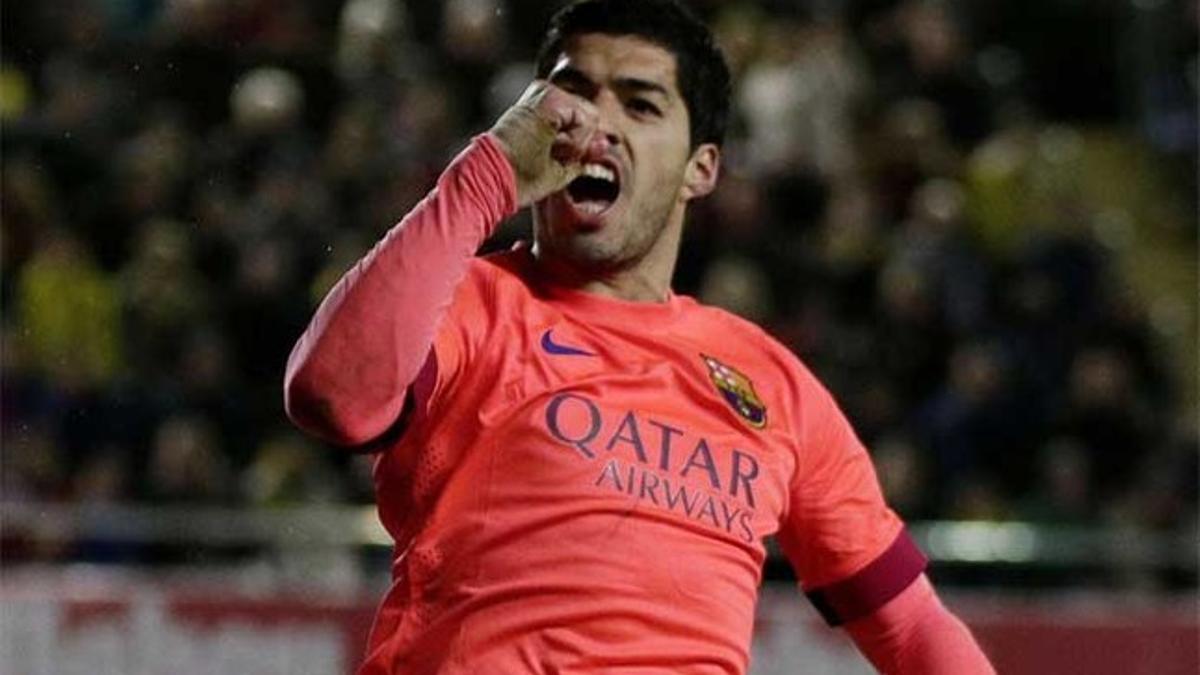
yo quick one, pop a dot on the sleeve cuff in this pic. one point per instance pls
(873, 586)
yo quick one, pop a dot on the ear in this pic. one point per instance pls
(700, 176)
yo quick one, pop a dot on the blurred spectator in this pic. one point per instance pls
(368, 31)
(738, 285)
(908, 146)
(934, 238)
(166, 300)
(1064, 492)
(969, 426)
(913, 341)
(798, 98)
(103, 477)
(1105, 413)
(34, 466)
(68, 311)
(187, 464)
(288, 470)
(15, 93)
(903, 477)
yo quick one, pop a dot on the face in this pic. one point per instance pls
(628, 208)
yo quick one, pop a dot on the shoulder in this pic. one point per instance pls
(496, 272)
(506, 267)
(750, 348)
(729, 331)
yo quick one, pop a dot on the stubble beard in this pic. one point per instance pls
(618, 245)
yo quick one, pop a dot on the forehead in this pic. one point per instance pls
(601, 56)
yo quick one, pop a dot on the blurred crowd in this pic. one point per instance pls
(976, 225)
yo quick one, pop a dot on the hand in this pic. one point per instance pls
(545, 135)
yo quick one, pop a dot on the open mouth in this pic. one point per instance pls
(594, 191)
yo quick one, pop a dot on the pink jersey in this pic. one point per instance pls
(584, 485)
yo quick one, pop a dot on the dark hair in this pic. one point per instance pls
(701, 72)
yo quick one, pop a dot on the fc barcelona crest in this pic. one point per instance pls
(738, 391)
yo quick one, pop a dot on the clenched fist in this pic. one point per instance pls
(545, 134)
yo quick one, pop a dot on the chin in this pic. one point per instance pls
(568, 218)
(585, 249)
(565, 230)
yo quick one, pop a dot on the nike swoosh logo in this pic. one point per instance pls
(553, 347)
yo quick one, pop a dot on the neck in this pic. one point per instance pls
(633, 284)
(645, 279)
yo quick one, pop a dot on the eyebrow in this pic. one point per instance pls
(568, 74)
(639, 85)
(572, 75)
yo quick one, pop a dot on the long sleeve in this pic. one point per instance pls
(914, 634)
(348, 374)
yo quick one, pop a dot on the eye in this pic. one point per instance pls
(643, 106)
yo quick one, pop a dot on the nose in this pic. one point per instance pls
(607, 136)
(603, 140)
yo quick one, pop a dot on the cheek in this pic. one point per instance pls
(663, 146)
(667, 176)
(675, 161)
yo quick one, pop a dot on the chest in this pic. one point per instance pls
(651, 420)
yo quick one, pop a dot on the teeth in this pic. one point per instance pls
(591, 208)
(599, 171)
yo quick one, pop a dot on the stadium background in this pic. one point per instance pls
(976, 221)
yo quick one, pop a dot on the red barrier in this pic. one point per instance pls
(51, 623)
(1119, 636)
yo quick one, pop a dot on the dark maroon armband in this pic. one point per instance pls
(873, 586)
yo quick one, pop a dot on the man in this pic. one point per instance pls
(578, 466)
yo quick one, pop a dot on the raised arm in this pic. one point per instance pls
(349, 373)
